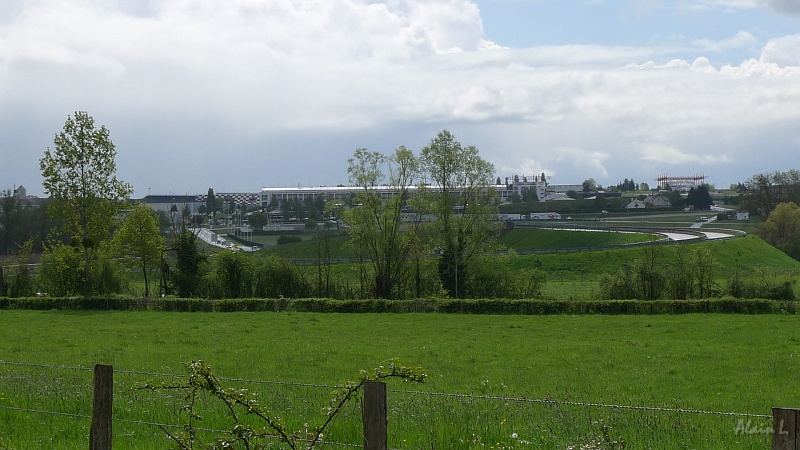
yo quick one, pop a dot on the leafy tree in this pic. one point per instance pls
(10, 212)
(589, 185)
(59, 272)
(139, 242)
(257, 220)
(600, 202)
(675, 199)
(18, 281)
(644, 186)
(530, 196)
(186, 276)
(765, 191)
(699, 198)
(211, 203)
(230, 275)
(275, 277)
(20, 222)
(464, 206)
(782, 229)
(79, 174)
(377, 227)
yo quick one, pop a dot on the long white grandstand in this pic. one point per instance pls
(505, 191)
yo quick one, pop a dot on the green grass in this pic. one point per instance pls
(749, 252)
(539, 239)
(725, 363)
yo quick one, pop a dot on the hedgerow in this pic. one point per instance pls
(448, 306)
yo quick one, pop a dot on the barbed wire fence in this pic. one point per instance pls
(469, 417)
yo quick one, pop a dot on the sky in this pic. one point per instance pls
(237, 95)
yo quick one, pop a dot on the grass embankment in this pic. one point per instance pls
(724, 363)
(574, 275)
(519, 239)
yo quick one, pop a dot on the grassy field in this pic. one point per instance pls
(716, 363)
(574, 275)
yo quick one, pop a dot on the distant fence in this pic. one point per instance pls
(111, 404)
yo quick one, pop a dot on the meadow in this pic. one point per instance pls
(538, 378)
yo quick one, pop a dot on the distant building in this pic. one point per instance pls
(519, 187)
(636, 204)
(179, 202)
(657, 201)
(21, 193)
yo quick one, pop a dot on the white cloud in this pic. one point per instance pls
(784, 51)
(742, 39)
(669, 155)
(263, 78)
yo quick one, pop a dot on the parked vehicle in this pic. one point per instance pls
(546, 216)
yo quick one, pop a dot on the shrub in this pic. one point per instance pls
(288, 239)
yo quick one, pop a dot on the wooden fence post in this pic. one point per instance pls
(784, 429)
(100, 433)
(373, 415)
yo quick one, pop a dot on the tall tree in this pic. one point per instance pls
(463, 203)
(188, 261)
(257, 220)
(139, 242)
(700, 198)
(376, 225)
(80, 175)
(765, 191)
(211, 203)
(10, 225)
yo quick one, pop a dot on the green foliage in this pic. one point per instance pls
(188, 261)
(377, 227)
(211, 203)
(235, 275)
(230, 276)
(257, 220)
(241, 402)
(699, 198)
(107, 275)
(139, 242)
(79, 175)
(660, 272)
(761, 283)
(721, 305)
(289, 239)
(19, 223)
(17, 280)
(490, 277)
(60, 272)
(782, 229)
(463, 203)
(764, 191)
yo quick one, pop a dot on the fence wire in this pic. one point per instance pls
(406, 423)
(416, 392)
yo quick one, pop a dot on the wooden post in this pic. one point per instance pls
(100, 433)
(784, 429)
(373, 415)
